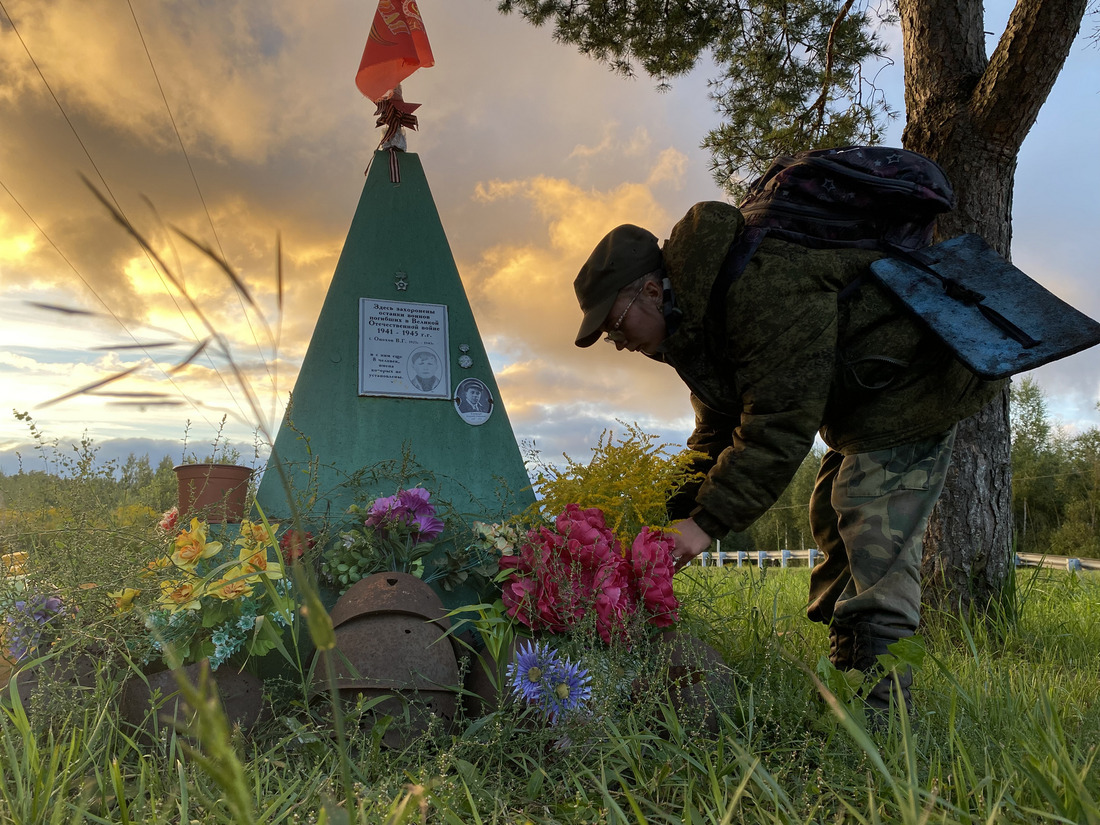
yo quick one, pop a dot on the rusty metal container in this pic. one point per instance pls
(152, 701)
(391, 645)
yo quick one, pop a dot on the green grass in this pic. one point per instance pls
(1006, 731)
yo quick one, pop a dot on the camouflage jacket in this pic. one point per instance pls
(794, 361)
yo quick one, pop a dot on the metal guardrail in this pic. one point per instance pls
(812, 556)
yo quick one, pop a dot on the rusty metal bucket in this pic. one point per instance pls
(391, 645)
(390, 593)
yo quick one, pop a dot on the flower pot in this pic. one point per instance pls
(215, 493)
(391, 645)
(153, 698)
(54, 678)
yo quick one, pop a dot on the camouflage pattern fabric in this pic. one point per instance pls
(868, 513)
(795, 362)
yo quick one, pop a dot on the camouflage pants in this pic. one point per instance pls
(868, 513)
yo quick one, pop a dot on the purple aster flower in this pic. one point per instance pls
(426, 528)
(416, 502)
(382, 511)
(528, 671)
(27, 619)
(566, 687)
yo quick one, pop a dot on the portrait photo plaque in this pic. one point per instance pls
(473, 401)
(403, 349)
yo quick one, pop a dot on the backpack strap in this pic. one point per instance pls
(965, 295)
(740, 252)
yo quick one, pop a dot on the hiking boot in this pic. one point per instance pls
(841, 644)
(870, 642)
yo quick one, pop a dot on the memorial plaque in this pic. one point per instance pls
(473, 401)
(403, 349)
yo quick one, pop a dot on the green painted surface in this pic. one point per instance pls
(477, 469)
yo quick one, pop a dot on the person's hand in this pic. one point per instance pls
(691, 540)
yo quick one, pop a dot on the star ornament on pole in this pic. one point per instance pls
(395, 113)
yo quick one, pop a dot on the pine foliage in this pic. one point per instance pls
(809, 56)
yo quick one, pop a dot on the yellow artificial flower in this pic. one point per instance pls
(252, 533)
(124, 599)
(236, 583)
(254, 560)
(191, 546)
(156, 565)
(180, 595)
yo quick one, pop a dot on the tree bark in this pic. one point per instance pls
(971, 114)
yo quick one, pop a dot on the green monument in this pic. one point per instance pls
(396, 382)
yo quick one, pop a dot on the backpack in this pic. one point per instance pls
(996, 319)
(872, 197)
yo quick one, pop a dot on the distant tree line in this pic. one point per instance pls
(77, 490)
(1055, 480)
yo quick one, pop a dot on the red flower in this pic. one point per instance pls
(586, 527)
(169, 519)
(561, 576)
(294, 544)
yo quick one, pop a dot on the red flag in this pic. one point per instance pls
(397, 47)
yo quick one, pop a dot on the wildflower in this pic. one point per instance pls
(156, 565)
(253, 533)
(191, 546)
(578, 568)
(566, 687)
(225, 645)
(254, 560)
(499, 537)
(27, 621)
(652, 568)
(410, 508)
(531, 665)
(124, 599)
(294, 544)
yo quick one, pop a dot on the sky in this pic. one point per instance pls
(238, 123)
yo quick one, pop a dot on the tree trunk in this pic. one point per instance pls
(971, 114)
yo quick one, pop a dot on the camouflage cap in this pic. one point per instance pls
(625, 254)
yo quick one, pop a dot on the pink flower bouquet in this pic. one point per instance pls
(560, 576)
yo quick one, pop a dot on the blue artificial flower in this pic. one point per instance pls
(221, 637)
(246, 622)
(529, 669)
(565, 688)
(225, 644)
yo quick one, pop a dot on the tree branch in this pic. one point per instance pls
(827, 82)
(1023, 68)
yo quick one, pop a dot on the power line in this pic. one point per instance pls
(91, 289)
(118, 206)
(195, 180)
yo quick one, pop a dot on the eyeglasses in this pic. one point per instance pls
(614, 335)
